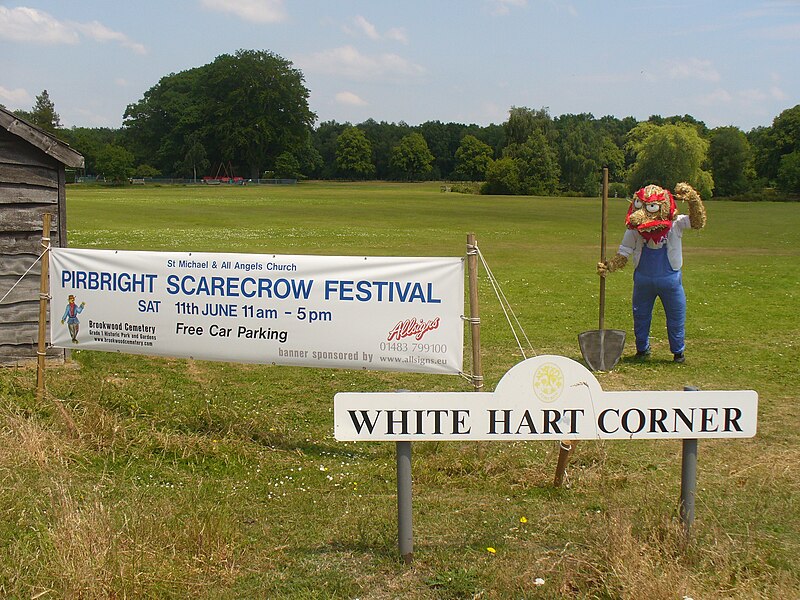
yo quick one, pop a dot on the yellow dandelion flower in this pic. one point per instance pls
(491, 550)
(523, 520)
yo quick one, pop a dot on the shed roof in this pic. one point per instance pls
(40, 139)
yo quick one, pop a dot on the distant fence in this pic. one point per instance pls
(190, 181)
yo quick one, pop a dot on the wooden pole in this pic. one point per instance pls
(44, 289)
(44, 296)
(565, 449)
(475, 321)
(603, 235)
(474, 312)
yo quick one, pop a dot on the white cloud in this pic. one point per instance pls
(716, 97)
(361, 26)
(397, 34)
(258, 11)
(16, 98)
(348, 62)
(367, 28)
(24, 24)
(694, 68)
(752, 96)
(501, 8)
(777, 93)
(100, 33)
(350, 99)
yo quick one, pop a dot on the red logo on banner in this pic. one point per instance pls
(412, 327)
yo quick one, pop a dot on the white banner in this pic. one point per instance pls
(545, 398)
(382, 313)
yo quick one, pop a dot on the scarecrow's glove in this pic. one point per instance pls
(615, 263)
(697, 212)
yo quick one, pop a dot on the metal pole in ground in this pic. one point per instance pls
(688, 479)
(405, 534)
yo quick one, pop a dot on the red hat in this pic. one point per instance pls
(654, 229)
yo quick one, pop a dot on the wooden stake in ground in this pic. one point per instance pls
(474, 313)
(44, 292)
(44, 296)
(475, 321)
(565, 450)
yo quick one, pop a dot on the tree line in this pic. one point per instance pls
(249, 113)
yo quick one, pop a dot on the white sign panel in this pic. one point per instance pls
(545, 398)
(382, 313)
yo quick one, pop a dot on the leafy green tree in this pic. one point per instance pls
(443, 141)
(789, 173)
(773, 143)
(523, 121)
(195, 158)
(158, 128)
(143, 171)
(412, 157)
(308, 158)
(43, 114)
(325, 139)
(115, 163)
(731, 159)
(584, 148)
(247, 108)
(678, 120)
(258, 107)
(90, 141)
(493, 135)
(537, 164)
(384, 137)
(473, 158)
(354, 154)
(668, 154)
(287, 166)
(502, 177)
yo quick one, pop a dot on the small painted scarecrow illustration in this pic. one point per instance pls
(71, 317)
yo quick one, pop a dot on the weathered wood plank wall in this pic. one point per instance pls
(31, 184)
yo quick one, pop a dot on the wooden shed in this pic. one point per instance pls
(32, 183)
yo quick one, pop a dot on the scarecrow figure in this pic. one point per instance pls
(653, 238)
(71, 317)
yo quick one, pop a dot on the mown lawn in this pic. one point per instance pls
(196, 479)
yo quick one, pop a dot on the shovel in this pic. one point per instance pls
(602, 348)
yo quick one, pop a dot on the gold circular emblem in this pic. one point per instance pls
(548, 382)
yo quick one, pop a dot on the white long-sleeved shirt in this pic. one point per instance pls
(633, 242)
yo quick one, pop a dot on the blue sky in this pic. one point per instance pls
(723, 62)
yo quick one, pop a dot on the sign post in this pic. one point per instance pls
(688, 479)
(545, 398)
(405, 532)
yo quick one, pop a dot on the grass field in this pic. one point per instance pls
(196, 479)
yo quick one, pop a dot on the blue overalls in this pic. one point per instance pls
(655, 277)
